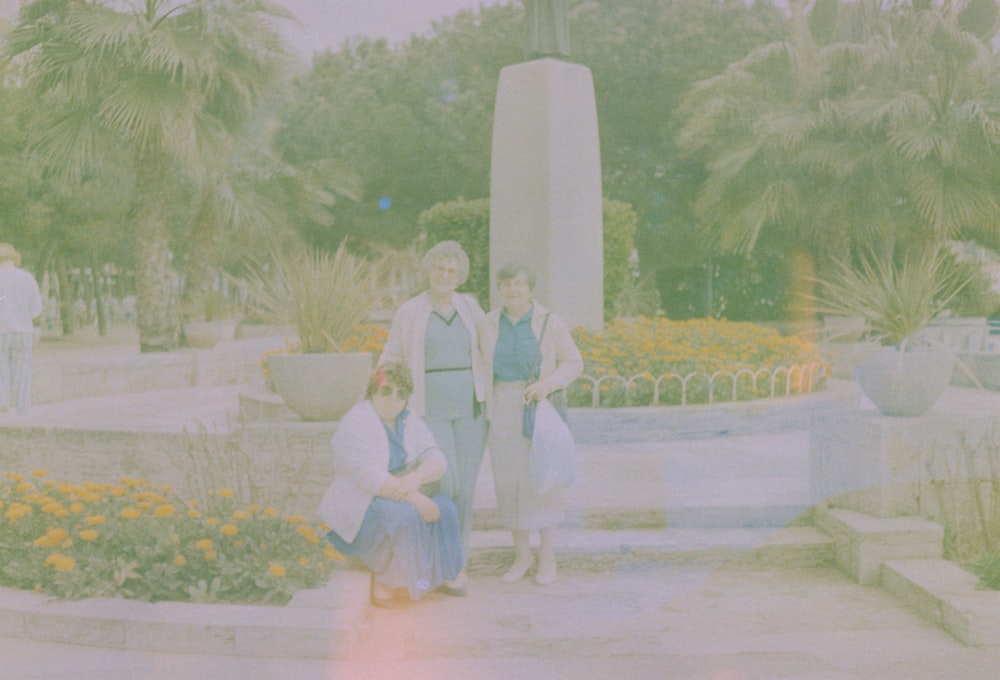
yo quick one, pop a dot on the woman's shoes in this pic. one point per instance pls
(545, 574)
(517, 570)
(456, 588)
(453, 591)
(382, 597)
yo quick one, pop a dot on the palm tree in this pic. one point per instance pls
(874, 126)
(168, 82)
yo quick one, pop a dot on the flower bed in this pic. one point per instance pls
(137, 540)
(643, 361)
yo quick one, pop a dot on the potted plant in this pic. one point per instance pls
(897, 302)
(324, 298)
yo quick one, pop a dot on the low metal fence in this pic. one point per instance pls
(699, 386)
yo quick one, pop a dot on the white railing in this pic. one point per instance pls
(798, 379)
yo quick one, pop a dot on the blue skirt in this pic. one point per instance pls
(402, 550)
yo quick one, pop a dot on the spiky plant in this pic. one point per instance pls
(895, 300)
(323, 296)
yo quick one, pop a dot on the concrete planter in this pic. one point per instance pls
(320, 386)
(204, 334)
(905, 383)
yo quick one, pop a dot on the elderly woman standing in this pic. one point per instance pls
(434, 334)
(532, 354)
(377, 507)
(20, 303)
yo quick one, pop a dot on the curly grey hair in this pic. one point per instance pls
(447, 250)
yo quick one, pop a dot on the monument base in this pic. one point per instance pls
(545, 186)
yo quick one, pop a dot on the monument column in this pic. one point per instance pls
(545, 182)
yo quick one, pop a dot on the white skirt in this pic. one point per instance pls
(519, 507)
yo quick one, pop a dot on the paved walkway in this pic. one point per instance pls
(685, 618)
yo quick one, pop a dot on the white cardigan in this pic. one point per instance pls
(560, 363)
(361, 465)
(406, 343)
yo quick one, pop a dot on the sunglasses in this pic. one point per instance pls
(388, 390)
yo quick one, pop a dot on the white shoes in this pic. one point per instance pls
(518, 569)
(545, 574)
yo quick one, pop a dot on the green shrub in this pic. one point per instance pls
(468, 223)
(987, 568)
(620, 223)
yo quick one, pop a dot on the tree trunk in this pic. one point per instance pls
(95, 279)
(65, 297)
(203, 259)
(157, 305)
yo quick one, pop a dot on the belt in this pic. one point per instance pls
(444, 370)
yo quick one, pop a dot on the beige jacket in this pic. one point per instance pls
(561, 362)
(406, 343)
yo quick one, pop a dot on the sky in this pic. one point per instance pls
(325, 24)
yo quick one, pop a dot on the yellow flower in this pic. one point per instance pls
(76, 507)
(212, 521)
(180, 560)
(60, 562)
(24, 486)
(17, 510)
(94, 520)
(303, 561)
(145, 505)
(13, 476)
(295, 519)
(230, 529)
(276, 570)
(332, 553)
(225, 493)
(270, 512)
(204, 544)
(165, 510)
(241, 514)
(194, 514)
(52, 507)
(39, 473)
(52, 538)
(131, 513)
(209, 555)
(88, 535)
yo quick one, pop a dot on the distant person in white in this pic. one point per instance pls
(20, 303)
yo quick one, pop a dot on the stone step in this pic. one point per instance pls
(589, 550)
(769, 517)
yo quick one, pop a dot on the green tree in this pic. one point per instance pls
(414, 122)
(645, 55)
(164, 82)
(873, 126)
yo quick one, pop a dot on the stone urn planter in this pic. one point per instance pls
(203, 334)
(905, 383)
(320, 386)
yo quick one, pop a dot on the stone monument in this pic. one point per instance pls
(545, 183)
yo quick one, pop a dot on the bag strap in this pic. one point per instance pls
(538, 351)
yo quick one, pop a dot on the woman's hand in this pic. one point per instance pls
(411, 482)
(428, 509)
(395, 489)
(536, 391)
